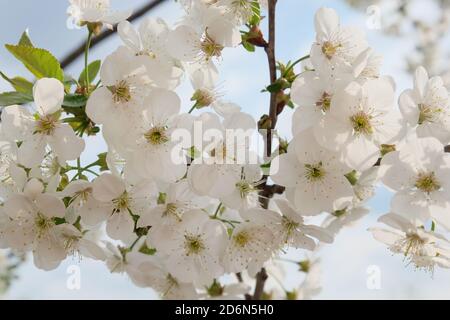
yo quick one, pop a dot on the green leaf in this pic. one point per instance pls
(248, 46)
(74, 100)
(19, 83)
(14, 97)
(256, 17)
(58, 221)
(39, 62)
(102, 161)
(94, 68)
(274, 87)
(25, 40)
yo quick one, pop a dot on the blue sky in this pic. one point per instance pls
(243, 75)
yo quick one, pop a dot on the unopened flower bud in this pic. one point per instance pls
(282, 100)
(256, 37)
(283, 146)
(265, 123)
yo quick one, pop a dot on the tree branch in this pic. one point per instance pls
(261, 278)
(270, 52)
(78, 51)
(268, 191)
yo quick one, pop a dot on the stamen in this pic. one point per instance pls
(209, 47)
(193, 244)
(329, 49)
(427, 182)
(242, 238)
(46, 125)
(156, 136)
(314, 172)
(324, 102)
(361, 123)
(121, 92)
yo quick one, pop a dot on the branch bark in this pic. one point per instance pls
(79, 50)
(268, 191)
(270, 52)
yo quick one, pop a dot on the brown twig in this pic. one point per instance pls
(261, 278)
(268, 191)
(78, 51)
(270, 52)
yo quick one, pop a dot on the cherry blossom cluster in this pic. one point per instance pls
(177, 212)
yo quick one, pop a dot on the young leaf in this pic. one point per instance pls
(274, 87)
(256, 17)
(19, 83)
(25, 40)
(94, 68)
(39, 62)
(248, 46)
(74, 100)
(14, 97)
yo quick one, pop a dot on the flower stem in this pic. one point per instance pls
(294, 64)
(86, 61)
(79, 169)
(217, 210)
(192, 108)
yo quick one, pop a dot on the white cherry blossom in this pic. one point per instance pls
(194, 251)
(122, 203)
(95, 11)
(32, 226)
(427, 106)
(313, 176)
(42, 129)
(362, 119)
(424, 249)
(419, 172)
(335, 46)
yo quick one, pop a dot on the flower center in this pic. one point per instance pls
(427, 182)
(122, 203)
(146, 52)
(83, 194)
(156, 136)
(193, 244)
(121, 92)
(43, 223)
(46, 125)
(242, 238)
(289, 226)
(172, 211)
(314, 172)
(324, 102)
(245, 188)
(361, 123)
(329, 49)
(209, 47)
(202, 98)
(427, 114)
(412, 245)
